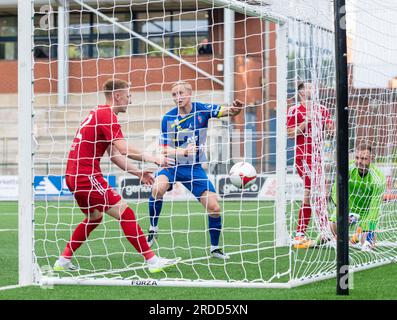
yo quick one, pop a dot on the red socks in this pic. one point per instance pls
(79, 235)
(305, 213)
(131, 228)
(134, 234)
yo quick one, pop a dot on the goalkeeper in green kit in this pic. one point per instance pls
(367, 185)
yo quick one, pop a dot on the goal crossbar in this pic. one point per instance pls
(249, 10)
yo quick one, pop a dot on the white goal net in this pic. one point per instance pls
(278, 58)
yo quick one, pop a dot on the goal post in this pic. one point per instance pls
(26, 256)
(342, 148)
(282, 235)
(260, 52)
(63, 39)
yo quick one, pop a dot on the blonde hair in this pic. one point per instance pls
(111, 85)
(185, 84)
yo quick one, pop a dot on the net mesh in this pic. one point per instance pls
(152, 44)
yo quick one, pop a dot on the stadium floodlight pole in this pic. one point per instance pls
(342, 148)
(153, 44)
(25, 150)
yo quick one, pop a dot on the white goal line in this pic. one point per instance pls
(163, 231)
(11, 287)
(182, 261)
(165, 214)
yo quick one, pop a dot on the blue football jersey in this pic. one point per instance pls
(179, 131)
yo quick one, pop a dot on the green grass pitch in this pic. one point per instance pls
(247, 236)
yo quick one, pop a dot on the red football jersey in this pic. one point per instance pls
(296, 115)
(92, 139)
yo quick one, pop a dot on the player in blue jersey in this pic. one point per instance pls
(183, 136)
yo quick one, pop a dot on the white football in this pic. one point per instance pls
(242, 175)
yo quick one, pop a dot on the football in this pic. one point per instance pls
(242, 175)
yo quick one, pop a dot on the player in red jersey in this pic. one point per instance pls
(299, 127)
(98, 133)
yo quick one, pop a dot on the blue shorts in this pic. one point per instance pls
(193, 178)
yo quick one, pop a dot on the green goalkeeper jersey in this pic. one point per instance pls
(365, 195)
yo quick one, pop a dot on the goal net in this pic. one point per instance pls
(277, 57)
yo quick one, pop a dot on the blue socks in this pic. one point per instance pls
(154, 210)
(215, 227)
(370, 236)
(214, 224)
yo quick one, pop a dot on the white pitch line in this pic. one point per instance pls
(10, 287)
(60, 230)
(165, 232)
(173, 214)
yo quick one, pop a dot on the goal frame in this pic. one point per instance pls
(26, 261)
(29, 272)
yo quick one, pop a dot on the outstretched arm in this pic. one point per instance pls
(233, 110)
(190, 150)
(122, 162)
(136, 154)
